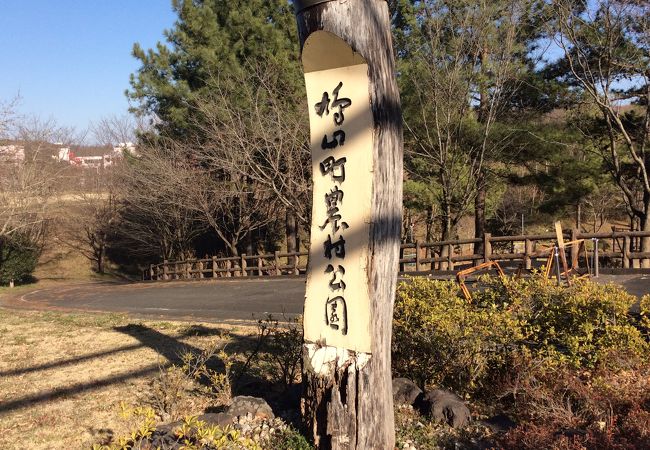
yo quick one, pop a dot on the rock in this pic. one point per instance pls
(164, 437)
(222, 419)
(499, 423)
(444, 406)
(405, 391)
(257, 407)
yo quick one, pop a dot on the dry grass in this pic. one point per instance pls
(63, 376)
(60, 262)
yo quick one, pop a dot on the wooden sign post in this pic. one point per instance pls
(356, 144)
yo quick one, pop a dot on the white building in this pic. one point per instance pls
(12, 153)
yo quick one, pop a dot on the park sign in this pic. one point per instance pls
(337, 303)
(356, 148)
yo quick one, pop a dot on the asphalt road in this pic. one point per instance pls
(222, 300)
(233, 300)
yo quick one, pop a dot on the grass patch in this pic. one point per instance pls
(63, 376)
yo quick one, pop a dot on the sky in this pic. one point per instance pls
(70, 60)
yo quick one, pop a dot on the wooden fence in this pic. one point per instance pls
(614, 249)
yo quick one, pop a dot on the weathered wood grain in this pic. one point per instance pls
(351, 406)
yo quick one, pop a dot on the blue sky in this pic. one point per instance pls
(70, 59)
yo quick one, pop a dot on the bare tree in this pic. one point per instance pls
(40, 133)
(7, 116)
(232, 205)
(27, 187)
(156, 220)
(254, 130)
(118, 130)
(91, 219)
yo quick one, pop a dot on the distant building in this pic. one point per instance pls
(125, 147)
(13, 154)
(87, 157)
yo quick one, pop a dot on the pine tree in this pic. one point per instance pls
(210, 39)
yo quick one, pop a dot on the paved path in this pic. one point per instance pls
(223, 300)
(233, 300)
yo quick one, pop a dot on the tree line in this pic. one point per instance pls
(512, 108)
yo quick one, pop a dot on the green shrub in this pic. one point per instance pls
(18, 259)
(442, 339)
(190, 434)
(439, 338)
(580, 325)
(289, 439)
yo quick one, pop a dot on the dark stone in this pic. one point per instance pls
(222, 419)
(242, 405)
(164, 437)
(405, 391)
(444, 406)
(499, 423)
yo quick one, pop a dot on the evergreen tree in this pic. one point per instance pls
(202, 78)
(210, 39)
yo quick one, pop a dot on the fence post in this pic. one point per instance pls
(487, 247)
(626, 252)
(528, 250)
(259, 266)
(188, 268)
(228, 267)
(574, 249)
(418, 267)
(214, 267)
(151, 271)
(165, 270)
(596, 262)
(243, 265)
(276, 259)
(450, 254)
(296, 271)
(401, 256)
(201, 269)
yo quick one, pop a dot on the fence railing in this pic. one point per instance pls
(613, 249)
(272, 264)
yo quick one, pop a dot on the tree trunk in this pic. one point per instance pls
(445, 225)
(645, 241)
(349, 405)
(101, 256)
(429, 252)
(251, 245)
(291, 233)
(479, 216)
(429, 230)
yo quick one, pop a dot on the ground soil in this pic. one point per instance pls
(63, 376)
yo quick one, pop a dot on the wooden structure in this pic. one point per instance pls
(612, 249)
(463, 274)
(602, 249)
(348, 400)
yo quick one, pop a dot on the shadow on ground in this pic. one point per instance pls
(171, 349)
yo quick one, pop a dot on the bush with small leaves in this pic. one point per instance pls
(442, 339)
(18, 259)
(190, 434)
(283, 349)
